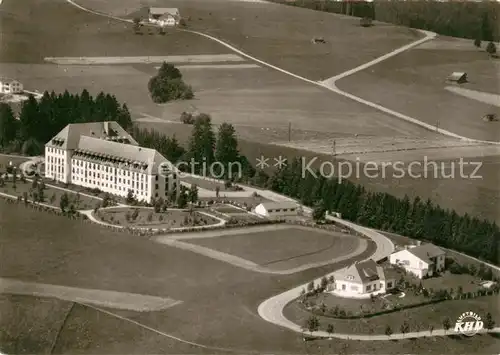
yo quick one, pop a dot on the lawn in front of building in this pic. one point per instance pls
(51, 195)
(148, 218)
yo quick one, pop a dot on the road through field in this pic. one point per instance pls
(329, 83)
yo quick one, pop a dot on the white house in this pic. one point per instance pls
(363, 279)
(10, 86)
(103, 155)
(164, 16)
(277, 209)
(422, 261)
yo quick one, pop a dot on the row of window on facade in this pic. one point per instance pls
(55, 150)
(135, 189)
(368, 287)
(282, 210)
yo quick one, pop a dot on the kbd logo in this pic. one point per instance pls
(469, 323)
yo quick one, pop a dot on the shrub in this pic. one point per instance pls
(366, 22)
(491, 49)
(477, 43)
(187, 118)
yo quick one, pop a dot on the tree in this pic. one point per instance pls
(446, 324)
(193, 193)
(226, 149)
(405, 328)
(319, 212)
(2, 182)
(130, 197)
(150, 216)
(491, 49)
(106, 200)
(8, 125)
(201, 144)
(310, 286)
(477, 42)
(168, 85)
(137, 25)
(217, 191)
(324, 283)
(388, 330)
(34, 183)
(182, 199)
(489, 323)
(72, 210)
(135, 214)
(312, 324)
(330, 329)
(64, 202)
(41, 194)
(25, 197)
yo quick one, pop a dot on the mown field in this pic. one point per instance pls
(414, 83)
(284, 248)
(280, 35)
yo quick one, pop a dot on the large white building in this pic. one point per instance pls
(10, 86)
(363, 279)
(422, 261)
(103, 155)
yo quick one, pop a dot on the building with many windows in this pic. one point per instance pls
(10, 86)
(102, 155)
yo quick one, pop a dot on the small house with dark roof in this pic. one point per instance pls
(363, 279)
(277, 209)
(423, 260)
(458, 77)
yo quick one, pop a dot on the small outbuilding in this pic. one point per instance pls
(458, 77)
(277, 209)
(10, 86)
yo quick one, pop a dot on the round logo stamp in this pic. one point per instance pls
(469, 324)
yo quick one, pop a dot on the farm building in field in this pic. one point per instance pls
(164, 16)
(277, 209)
(363, 279)
(102, 155)
(10, 86)
(458, 77)
(422, 261)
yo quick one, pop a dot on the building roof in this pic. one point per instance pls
(173, 11)
(91, 141)
(279, 205)
(127, 152)
(69, 136)
(457, 76)
(426, 251)
(8, 80)
(361, 272)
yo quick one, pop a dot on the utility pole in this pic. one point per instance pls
(437, 125)
(289, 131)
(334, 150)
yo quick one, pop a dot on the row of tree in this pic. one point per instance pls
(464, 19)
(39, 121)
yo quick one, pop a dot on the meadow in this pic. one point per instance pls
(278, 34)
(414, 83)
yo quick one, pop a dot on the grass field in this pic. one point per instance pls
(219, 306)
(418, 318)
(283, 249)
(169, 219)
(414, 83)
(59, 29)
(281, 35)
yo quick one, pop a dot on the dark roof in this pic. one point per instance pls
(70, 135)
(426, 251)
(361, 272)
(457, 76)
